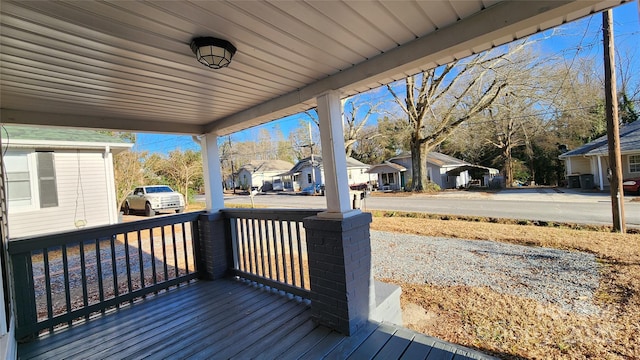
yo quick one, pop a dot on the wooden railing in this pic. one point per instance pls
(269, 247)
(64, 277)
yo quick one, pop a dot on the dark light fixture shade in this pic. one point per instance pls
(213, 52)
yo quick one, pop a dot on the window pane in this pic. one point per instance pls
(18, 180)
(19, 190)
(16, 163)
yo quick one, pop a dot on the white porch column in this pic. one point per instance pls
(212, 173)
(333, 157)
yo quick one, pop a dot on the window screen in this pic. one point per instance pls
(47, 180)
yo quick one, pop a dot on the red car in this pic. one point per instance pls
(632, 186)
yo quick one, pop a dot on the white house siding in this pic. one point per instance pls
(245, 177)
(304, 177)
(82, 197)
(359, 176)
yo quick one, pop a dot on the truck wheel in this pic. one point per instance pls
(126, 210)
(178, 211)
(148, 211)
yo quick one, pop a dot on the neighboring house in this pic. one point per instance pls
(443, 170)
(59, 179)
(587, 166)
(391, 176)
(302, 175)
(261, 173)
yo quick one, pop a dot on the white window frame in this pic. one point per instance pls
(14, 206)
(635, 163)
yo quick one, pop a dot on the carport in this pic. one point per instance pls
(476, 172)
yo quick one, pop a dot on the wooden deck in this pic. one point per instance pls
(229, 319)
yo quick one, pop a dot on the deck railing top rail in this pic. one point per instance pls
(270, 214)
(25, 244)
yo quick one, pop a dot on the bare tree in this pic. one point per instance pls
(439, 100)
(304, 139)
(356, 112)
(128, 171)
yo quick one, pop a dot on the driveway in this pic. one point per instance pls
(544, 204)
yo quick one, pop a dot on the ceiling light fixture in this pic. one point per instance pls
(212, 52)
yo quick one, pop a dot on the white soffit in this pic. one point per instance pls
(127, 65)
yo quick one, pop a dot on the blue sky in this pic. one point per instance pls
(582, 38)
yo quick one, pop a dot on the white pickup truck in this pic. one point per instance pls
(153, 199)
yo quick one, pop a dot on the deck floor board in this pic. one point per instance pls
(103, 328)
(222, 321)
(148, 333)
(225, 319)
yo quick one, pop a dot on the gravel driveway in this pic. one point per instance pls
(565, 278)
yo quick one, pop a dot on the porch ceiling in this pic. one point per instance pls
(127, 65)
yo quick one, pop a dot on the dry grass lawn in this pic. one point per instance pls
(511, 327)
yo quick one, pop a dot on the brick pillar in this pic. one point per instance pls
(340, 270)
(213, 250)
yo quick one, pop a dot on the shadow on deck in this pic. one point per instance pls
(230, 319)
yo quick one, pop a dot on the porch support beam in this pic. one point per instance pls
(213, 246)
(336, 179)
(212, 173)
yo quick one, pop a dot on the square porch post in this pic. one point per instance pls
(338, 240)
(213, 251)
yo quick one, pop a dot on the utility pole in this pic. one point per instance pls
(613, 132)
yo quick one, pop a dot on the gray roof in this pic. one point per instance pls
(43, 133)
(435, 158)
(629, 142)
(317, 161)
(385, 168)
(266, 165)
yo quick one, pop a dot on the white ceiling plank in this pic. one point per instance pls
(440, 12)
(177, 54)
(178, 29)
(377, 20)
(305, 26)
(412, 15)
(347, 26)
(260, 40)
(85, 49)
(466, 8)
(144, 85)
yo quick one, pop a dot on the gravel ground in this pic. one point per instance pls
(565, 278)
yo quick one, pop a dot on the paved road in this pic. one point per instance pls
(544, 204)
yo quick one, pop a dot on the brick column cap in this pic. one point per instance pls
(346, 224)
